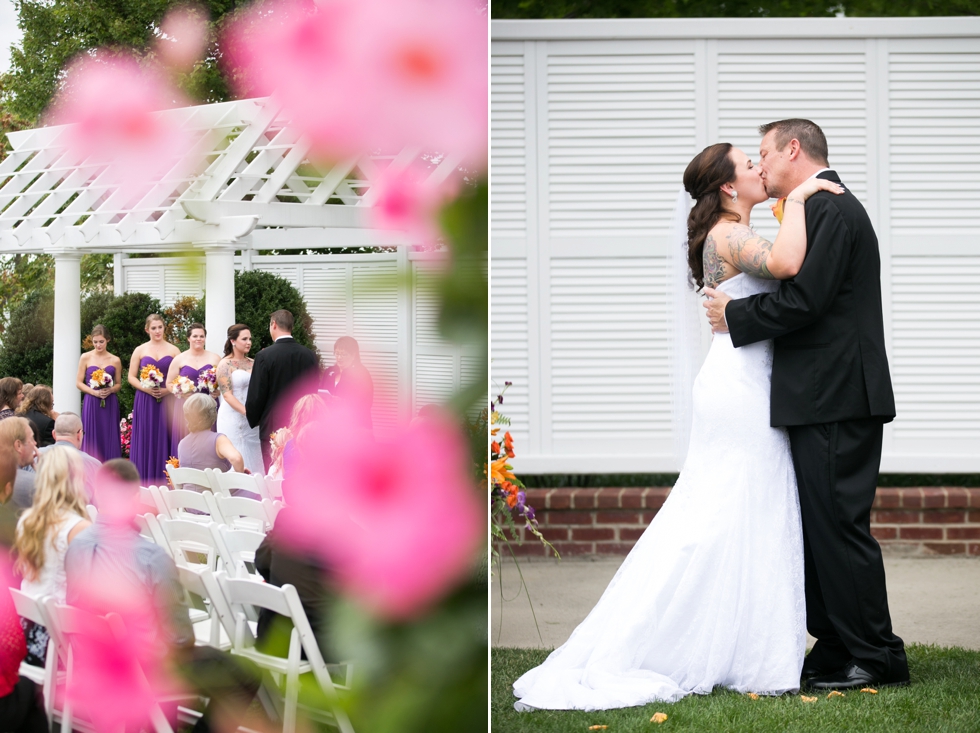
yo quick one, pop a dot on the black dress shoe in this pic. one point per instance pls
(851, 677)
(812, 669)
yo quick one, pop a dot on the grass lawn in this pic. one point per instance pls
(944, 697)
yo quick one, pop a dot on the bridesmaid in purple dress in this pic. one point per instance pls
(100, 406)
(150, 445)
(188, 364)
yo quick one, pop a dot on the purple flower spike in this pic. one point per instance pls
(507, 384)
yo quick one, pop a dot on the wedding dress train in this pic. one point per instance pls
(235, 426)
(712, 593)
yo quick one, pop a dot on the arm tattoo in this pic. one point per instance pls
(749, 252)
(222, 378)
(714, 265)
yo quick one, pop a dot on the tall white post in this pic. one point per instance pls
(118, 276)
(219, 289)
(67, 330)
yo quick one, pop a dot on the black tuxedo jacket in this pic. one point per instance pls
(275, 370)
(829, 361)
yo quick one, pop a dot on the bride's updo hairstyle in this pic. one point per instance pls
(233, 333)
(705, 175)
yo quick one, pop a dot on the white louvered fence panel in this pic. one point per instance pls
(609, 369)
(325, 289)
(375, 302)
(621, 128)
(181, 281)
(142, 279)
(760, 83)
(936, 349)
(934, 152)
(433, 380)
(509, 345)
(508, 170)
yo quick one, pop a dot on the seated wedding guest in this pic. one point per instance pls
(110, 557)
(68, 433)
(280, 565)
(348, 380)
(20, 705)
(8, 510)
(11, 395)
(304, 411)
(38, 407)
(16, 435)
(44, 532)
(201, 448)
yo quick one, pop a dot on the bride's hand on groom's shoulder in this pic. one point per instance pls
(715, 304)
(811, 185)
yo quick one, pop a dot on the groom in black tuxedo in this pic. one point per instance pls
(276, 369)
(832, 391)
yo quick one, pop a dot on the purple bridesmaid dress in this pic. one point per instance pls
(150, 446)
(178, 427)
(101, 424)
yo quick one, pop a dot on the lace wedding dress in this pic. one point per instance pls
(234, 425)
(712, 593)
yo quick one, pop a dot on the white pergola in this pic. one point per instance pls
(250, 176)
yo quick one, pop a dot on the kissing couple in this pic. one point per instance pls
(766, 534)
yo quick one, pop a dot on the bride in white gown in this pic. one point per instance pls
(233, 374)
(712, 593)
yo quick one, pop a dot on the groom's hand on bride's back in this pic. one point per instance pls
(715, 304)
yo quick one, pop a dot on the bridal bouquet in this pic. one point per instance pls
(182, 386)
(100, 379)
(151, 378)
(207, 381)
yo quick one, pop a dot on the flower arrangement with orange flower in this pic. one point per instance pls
(173, 462)
(100, 379)
(151, 378)
(508, 499)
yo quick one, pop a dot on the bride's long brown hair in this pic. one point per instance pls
(705, 175)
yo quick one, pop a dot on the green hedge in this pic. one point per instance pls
(28, 342)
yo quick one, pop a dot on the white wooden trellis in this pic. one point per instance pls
(592, 124)
(250, 188)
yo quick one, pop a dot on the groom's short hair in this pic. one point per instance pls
(283, 319)
(811, 137)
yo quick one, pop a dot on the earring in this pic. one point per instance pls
(734, 197)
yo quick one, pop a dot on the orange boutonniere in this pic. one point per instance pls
(777, 209)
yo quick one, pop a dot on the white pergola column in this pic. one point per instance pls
(219, 287)
(67, 330)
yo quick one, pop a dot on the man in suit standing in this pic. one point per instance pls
(276, 370)
(832, 391)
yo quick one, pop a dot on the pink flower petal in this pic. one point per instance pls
(184, 37)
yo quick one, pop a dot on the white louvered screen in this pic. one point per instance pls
(826, 83)
(181, 280)
(508, 168)
(509, 345)
(609, 370)
(936, 353)
(287, 273)
(621, 129)
(934, 152)
(326, 293)
(433, 379)
(143, 279)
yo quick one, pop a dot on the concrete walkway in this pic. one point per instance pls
(932, 600)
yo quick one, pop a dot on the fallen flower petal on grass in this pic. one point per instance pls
(753, 696)
(598, 727)
(870, 690)
(658, 718)
(804, 698)
(834, 693)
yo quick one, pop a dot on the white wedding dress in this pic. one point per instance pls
(712, 593)
(234, 425)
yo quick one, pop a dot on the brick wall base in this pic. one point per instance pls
(907, 521)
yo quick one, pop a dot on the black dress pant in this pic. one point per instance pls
(846, 601)
(21, 710)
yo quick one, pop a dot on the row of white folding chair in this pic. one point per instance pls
(237, 511)
(234, 601)
(224, 482)
(182, 539)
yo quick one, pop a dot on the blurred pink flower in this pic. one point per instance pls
(397, 521)
(407, 200)
(112, 101)
(371, 75)
(184, 37)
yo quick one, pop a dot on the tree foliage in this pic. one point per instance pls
(57, 30)
(728, 8)
(28, 344)
(257, 295)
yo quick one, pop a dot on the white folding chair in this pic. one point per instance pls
(242, 592)
(187, 538)
(273, 488)
(241, 513)
(179, 476)
(149, 528)
(208, 628)
(179, 501)
(236, 547)
(33, 610)
(71, 622)
(227, 481)
(151, 499)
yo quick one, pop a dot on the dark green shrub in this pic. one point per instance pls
(93, 307)
(257, 295)
(179, 316)
(125, 318)
(28, 342)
